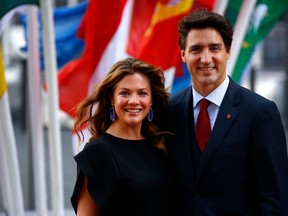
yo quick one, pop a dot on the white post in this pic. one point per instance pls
(5, 183)
(220, 6)
(11, 156)
(55, 148)
(241, 27)
(72, 2)
(34, 100)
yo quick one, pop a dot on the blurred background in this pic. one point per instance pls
(79, 50)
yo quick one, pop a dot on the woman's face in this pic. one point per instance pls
(132, 99)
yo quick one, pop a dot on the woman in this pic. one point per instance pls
(123, 170)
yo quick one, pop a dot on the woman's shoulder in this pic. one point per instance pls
(96, 154)
(98, 146)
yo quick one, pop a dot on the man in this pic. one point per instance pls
(243, 168)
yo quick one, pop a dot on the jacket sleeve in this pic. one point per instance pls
(269, 155)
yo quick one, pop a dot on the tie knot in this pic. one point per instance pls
(204, 103)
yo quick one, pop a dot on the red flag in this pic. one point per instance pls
(160, 42)
(98, 26)
(142, 14)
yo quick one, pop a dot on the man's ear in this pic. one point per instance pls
(183, 55)
(228, 53)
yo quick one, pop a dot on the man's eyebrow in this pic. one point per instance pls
(216, 44)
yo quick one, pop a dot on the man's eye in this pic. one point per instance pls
(195, 50)
(215, 48)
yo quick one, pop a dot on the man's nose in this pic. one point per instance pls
(206, 56)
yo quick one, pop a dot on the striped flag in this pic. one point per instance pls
(98, 26)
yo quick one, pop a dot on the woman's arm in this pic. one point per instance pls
(86, 205)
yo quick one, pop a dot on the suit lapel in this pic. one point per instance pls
(226, 116)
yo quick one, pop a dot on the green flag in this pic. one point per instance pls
(6, 5)
(264, 17)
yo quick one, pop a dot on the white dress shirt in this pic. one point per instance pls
(215, 97)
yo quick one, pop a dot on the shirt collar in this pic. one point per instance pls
(216, 96)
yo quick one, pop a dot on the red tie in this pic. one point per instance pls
(203, 128)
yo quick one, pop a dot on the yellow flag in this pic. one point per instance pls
(3, 85)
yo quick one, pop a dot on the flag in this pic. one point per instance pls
(66, 21)
(264, 17)
(141, 29)
(164, 21)
(97, 28)
(163, 25)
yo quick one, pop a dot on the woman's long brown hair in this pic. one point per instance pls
(94, 110)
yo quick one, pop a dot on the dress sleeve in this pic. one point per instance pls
(97, 163)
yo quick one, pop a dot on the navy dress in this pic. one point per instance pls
(125, 177)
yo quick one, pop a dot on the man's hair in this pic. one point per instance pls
(202, 18)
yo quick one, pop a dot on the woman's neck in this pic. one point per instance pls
(130, 133)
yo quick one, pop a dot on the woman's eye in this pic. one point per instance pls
(142, 93)
(124, 93)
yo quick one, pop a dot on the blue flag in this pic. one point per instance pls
(66, 21)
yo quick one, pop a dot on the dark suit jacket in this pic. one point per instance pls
(244, 168)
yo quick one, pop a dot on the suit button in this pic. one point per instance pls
(196, 196)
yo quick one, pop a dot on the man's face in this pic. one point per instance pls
(206, 58)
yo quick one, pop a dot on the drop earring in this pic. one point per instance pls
(112, 113)
(150, 114)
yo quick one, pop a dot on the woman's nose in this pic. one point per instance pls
(134, 99)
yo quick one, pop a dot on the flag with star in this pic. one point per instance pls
(264, 17)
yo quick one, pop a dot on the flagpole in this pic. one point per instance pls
(240, 30)
(220, 6)
(10, 151)
(36, 130)
(5, 180)
(72, 2)
(55, 147)
(12, 181)
(5, 183)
